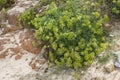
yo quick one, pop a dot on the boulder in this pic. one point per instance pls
(117, 62)
(26, 39)
(18, 42)
(11, 28)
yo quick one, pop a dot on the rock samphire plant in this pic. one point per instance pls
(26, 17)
(71, 32)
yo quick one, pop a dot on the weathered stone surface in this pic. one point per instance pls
(13, 18)
(12, 69)
(109, 67)
(3, 55)
(20, 7)
(117, 62)
(3, 41)
(19, 41)
(36, 62)
(16, 49)
(11, 28)
(18, 56)
(26, 40)
(1, 48)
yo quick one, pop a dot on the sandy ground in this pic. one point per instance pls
(11, 69)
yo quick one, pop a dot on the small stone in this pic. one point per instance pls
(11, 28)
(109, 67)
(96, 78)
(35, 66)
(82, 72)
(111, 35)
(117, 64)
(107, 25)
(42, 61)
(117, 53)
(3, 55)
(32, 66)
(18, 57)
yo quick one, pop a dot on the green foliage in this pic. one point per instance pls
(76, 75)
(45, 2)
(6, 3)
(115, 6)
(2, 2)
(26, 17)
(104, 58)
(72, 32)
(116, 9)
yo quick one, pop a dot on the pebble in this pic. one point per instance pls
(109, 67)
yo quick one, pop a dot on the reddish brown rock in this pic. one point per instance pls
(22, 41)
(11, 28)
(13, 15)
(20, 7)
(13, 19)
(107, 25)
(1, 48)
(4, 54)
(18, 56)
(16, 50)
(4, 41)
(36, 63)
(27, 40)
(33, 66)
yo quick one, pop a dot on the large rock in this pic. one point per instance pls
(20, 7)
(117, 62)
(26, 39)
(11, 28)
(18, 42)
